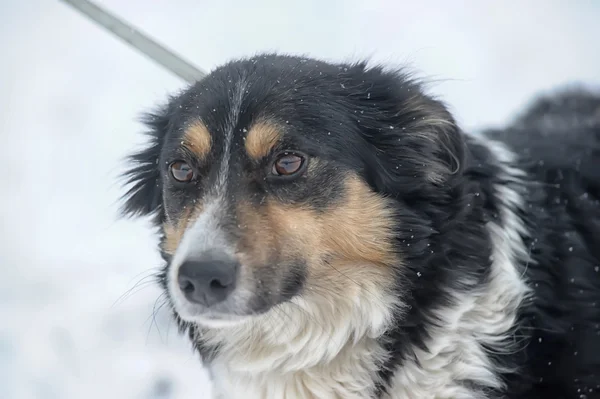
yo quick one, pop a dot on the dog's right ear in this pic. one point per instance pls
(144, 194)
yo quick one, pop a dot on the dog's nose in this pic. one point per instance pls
(208, 279)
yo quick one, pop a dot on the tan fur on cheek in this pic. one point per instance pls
(261, 139)
(270, 239)
(360, 229)
(175, 229)
(298, 227)
(352, 262)
(197, 139)
(348, 248)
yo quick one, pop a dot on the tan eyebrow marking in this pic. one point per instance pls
(261, 139)
(197, 139)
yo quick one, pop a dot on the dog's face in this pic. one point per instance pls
(277, 178)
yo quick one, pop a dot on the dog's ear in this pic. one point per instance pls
(144, 192)
(417, 144)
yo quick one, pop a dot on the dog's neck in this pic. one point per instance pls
(308, 347)
(351, 373)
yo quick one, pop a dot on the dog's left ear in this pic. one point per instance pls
(144, 195)
(416, 140)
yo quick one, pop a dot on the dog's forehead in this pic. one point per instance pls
(235, 95)
(254, 140)
(234, 123)
(237, 108)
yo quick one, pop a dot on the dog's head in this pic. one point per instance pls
(277, 178)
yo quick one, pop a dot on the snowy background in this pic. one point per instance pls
(69, 98)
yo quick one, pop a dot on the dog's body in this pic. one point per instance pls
(329, 232)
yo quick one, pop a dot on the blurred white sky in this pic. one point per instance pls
(70, 96)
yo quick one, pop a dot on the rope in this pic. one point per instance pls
(138, 40)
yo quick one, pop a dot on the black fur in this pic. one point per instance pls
(558, 141)
(406, 145)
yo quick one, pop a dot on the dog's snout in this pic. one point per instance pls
(208, 279)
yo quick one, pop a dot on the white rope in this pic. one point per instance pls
(138, 40)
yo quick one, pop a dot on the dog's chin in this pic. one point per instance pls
(214, 320)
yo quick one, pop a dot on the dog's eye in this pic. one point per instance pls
(287, 164)
(181, 171)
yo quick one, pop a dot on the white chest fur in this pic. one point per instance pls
(351, 375)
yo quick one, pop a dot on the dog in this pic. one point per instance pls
(329, 231)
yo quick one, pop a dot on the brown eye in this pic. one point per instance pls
(181, 171)
(287, 164)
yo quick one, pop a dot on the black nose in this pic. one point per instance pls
(208, 279)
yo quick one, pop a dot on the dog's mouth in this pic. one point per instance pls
(237, 308)
(221, 315)
(232, 308)
(216, 320)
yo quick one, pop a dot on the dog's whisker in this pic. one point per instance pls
(140, 285)
(159, 303)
